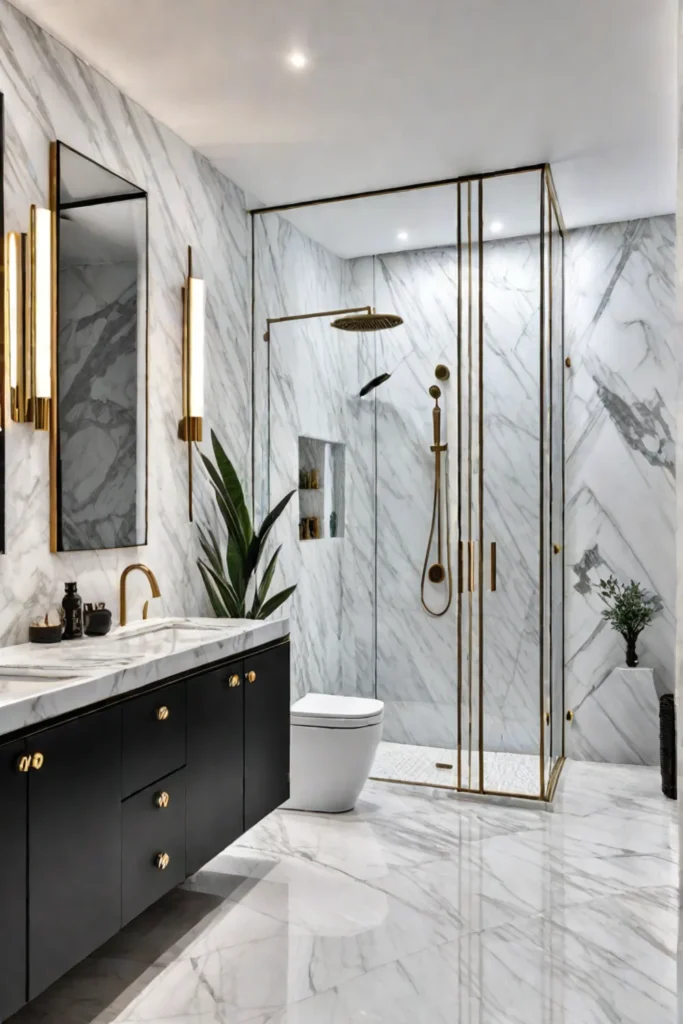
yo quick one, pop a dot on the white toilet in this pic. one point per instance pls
(334, 741)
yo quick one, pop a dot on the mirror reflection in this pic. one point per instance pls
(101, 357)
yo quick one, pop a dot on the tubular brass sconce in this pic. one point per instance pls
(190, 428)
(41, 242)
(17, 328)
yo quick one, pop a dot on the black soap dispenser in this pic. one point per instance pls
(73, 613)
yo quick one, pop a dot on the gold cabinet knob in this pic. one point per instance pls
(24, 763)
(251, 676)
(37, 762)
(163, 713)
(234, 681)
(162, 861)
(162, 799)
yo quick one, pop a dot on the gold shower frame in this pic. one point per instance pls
(471, 578)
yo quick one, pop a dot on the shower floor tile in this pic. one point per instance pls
(503, 772)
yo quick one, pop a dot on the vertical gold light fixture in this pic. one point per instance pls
(17, 329)
(190, 428)
(41, 313)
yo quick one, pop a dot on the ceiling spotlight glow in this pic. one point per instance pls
(496, 227)
(402, 236)
(297, 60)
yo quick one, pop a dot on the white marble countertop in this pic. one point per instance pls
(43, 681)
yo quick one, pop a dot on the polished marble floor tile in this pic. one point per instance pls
(417, 906)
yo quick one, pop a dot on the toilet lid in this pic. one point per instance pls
(332, 711)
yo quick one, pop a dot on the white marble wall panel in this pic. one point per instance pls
(309, 376)
(620, 445)
(50, 94)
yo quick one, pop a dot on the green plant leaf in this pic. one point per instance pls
(228, 511)
(274, 603)
(232, 486)
(219, 608)
(259, 539)
(234, 606)
(235, 562)
(209, 546)
(265, 583)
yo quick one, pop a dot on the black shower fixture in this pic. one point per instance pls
(374, 383)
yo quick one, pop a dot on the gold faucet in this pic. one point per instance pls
(122, 588)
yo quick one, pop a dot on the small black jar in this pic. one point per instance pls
(73, 613)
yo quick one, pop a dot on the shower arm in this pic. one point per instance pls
(312, 316)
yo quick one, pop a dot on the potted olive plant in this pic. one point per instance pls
(629, 610)
(229, 574)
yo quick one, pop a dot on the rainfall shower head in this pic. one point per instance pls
(368, 322)
(374, 383)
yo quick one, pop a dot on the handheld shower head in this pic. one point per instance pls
(435, 391)
(374, 383)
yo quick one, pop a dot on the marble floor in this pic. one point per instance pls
(503, 772)
(419, 906)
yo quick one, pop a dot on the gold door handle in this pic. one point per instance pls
(473, 581)
(37, 762)
(251, 677)
(24, 763)
(163, 713)
(234, 681)
(162, 861)
(494, 566)
(162, 800)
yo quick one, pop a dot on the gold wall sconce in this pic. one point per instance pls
(190, 428)
(17, 328)
(41, 243)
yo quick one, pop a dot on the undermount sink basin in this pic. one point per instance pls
(179, 627)
(34, 673)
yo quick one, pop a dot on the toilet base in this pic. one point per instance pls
(329, 767)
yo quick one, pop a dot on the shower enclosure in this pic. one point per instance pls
(473, 687)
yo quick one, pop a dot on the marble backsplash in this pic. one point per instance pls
(50, 94)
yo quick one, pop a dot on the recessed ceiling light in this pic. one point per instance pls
(297, 60)
(496, 227)
(402, 236)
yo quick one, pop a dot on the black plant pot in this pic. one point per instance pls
(631, 654)
(667, 744)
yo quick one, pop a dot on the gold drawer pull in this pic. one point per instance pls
(162, 861)
(24, 763)
(163, 713)
(234, 681)
(251, 676)
(162, 799)
(37, 762)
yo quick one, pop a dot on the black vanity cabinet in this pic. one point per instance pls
(74, 843)
(266, 733)
(13, 808)
(106, 810)
(215, 758)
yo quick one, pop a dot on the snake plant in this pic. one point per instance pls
(230, 579)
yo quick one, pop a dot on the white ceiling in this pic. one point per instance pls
(401, 91)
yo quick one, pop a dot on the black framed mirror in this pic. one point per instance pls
(4, 412)
(99, 427)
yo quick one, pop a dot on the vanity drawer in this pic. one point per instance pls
(153, 836)
(153, 737)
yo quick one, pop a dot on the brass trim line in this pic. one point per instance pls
(494, 567)
(417, 186)
(480, 242)
(541, 450)
(53, 410)
(459, 485)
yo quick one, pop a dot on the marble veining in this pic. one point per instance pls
(417, 906)
(38, 682)
(620, 487)
(50, 94)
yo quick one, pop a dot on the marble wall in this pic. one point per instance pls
(50, 94)
(620, 450)
(98, 401)
(307, 380)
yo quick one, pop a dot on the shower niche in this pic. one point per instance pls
(321, 489)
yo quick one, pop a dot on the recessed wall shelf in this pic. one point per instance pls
(321, 508)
